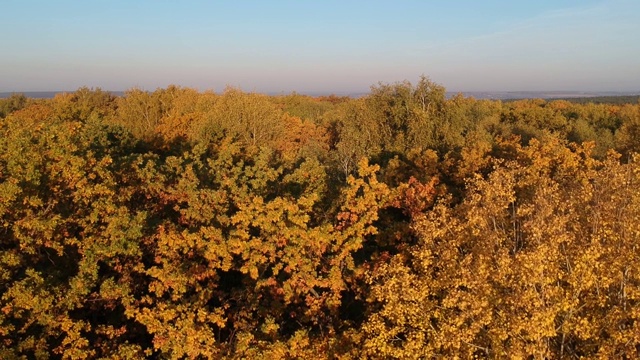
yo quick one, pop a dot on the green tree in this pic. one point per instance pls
(12, 103)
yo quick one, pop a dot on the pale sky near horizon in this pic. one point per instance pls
(320, 46)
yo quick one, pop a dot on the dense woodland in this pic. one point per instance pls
(179, 224)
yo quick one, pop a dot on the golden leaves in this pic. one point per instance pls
(517, 268)
(187, 225)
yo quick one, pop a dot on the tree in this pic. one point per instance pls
(12, 103)
(534, 262)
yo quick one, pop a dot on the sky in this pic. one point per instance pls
(327, 46)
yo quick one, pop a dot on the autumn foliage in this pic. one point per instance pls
(184, 225)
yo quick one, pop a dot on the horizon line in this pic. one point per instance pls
(569, 93)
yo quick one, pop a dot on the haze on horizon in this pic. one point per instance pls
(328, 46)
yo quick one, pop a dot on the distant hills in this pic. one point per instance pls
(577, 96)
(507, 95)
(45, 94)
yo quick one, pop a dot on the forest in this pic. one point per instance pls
(179, 224)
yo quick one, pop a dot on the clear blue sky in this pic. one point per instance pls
(320, 46)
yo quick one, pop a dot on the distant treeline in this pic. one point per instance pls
(403, 224)
(504, 96)
(616, 100)
(45, 94)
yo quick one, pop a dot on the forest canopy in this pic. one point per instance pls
(402, 224)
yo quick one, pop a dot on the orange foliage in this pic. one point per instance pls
(175, 224)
